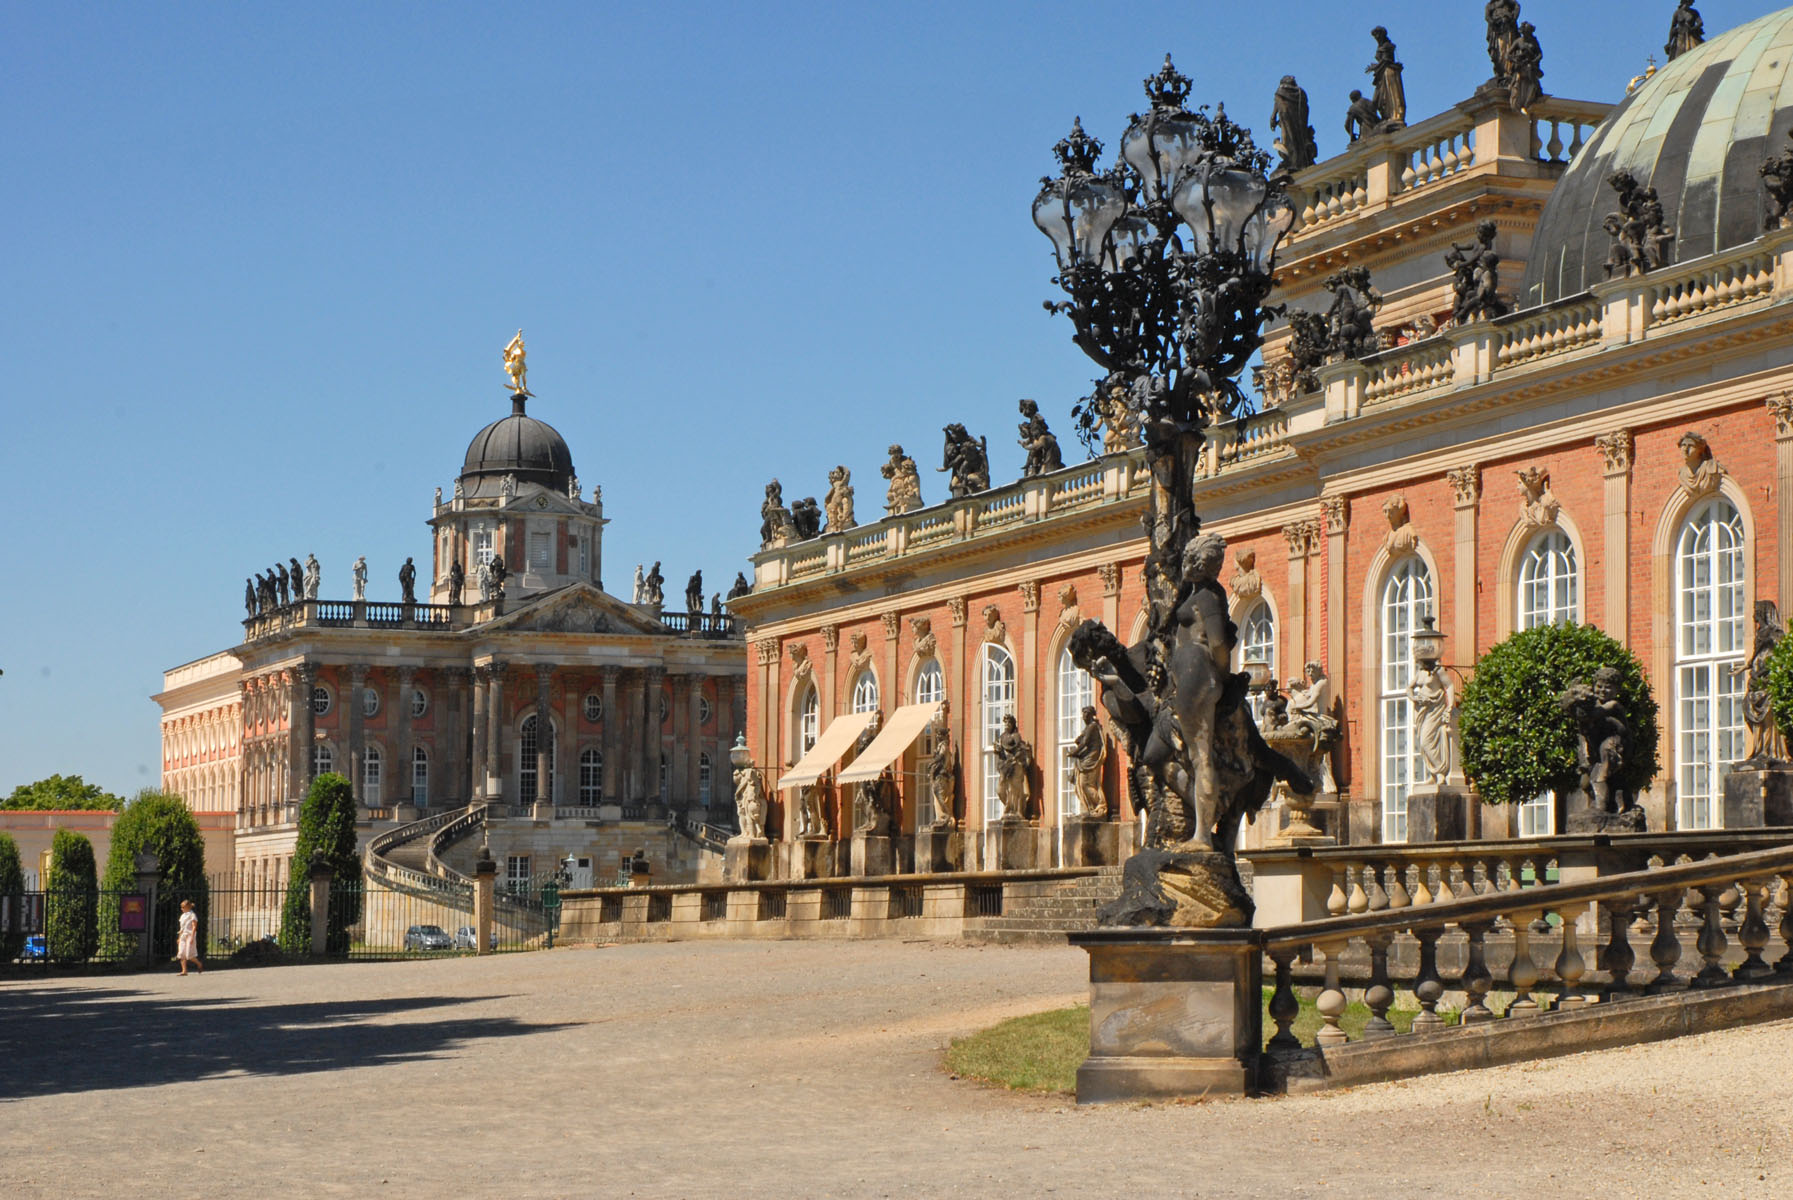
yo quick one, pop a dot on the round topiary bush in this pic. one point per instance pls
(1518, 743)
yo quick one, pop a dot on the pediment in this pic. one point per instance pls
(578, 608)
(533, 498)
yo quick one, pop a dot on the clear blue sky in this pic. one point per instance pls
(260, 261)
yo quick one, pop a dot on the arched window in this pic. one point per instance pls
(1257, 638)
(1406, 597)
(1076, 691)
(420, 702)
(527, 749)
(865, 693)
(591, 779)
(372, 763)
(998, 698)
(1709, 646)
(420, 776)
(1549, 590)
(704, 711)
(929, 686)
(703, 780)
(808, 721)
(370, 701)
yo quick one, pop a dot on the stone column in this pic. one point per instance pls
(307, 724)
(613, 766)
(476, 762)
(544, 739)
(401, 741)
(495, 732)
(1466, 490)
(1028, 714)
(1299, 536)
(961, 693)
(1782, 408)
(830, 647)
(1336, 517)
(566, 748)
(652, 682)
(725, 717)
(357, 736)
(449, 764)
(694, 685)
(1615, 453)
(682, 776)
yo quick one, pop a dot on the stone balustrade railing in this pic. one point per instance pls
(355, 614)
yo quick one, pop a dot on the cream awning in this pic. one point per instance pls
(827, 751)
(904, 726)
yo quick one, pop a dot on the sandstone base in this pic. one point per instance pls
(870, 856)
(1089, 842)
(1585, 819)
(1758, 796)
(1179, 889)
(812, 858)
(1437, 814)
(1012, 845)
(938, 851)
(746, 860)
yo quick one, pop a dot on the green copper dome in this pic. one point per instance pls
(1698, 132)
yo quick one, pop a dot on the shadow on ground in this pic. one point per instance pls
(56, 1040)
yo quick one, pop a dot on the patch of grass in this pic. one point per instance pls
(1037, 1053)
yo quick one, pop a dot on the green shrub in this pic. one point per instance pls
(71, 919)
(12, 892)
(1780, 684)
(1517, 743)
(160, 824)
(326, 832)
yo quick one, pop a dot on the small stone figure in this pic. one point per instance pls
(750, 802)
(459, 492)
(1042, 448)
(871, 803)
(1273, 706)
(1503, 32)
(1475, 268)
(457, 580)
(839, 501)
(1350, 321)
(1637, 230)
(741, 587)
(281, 584)
(484, 575)
(1402, 538)
(1391, 93)
(407, 583)
(1120, 424)
(296, 575)
(1767, 746)
(360, 574)
(640, 585)
(942, 770)
(1309, 343)
(1777, 181)
(775, 519)
(1295, 142)
(573, 487)
(1014, 767)
(806, 519)
(905, 483)
(313, 577)
(715, 604)
(1361, 117)
(968, 459)
(1310, 706)
(249, 597)
(1606, 738)
(694, 592)
(507, 488)
(1434, 703)
(1685, 31)
(263, 594)
(1087, 754)
(499, 574)
(1246, 581)
(1525, 69)
(812, 813)
(653, 588)
(1539, 507)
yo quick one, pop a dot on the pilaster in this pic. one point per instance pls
(1027, 682)
(1466, 491)
(612, 722)
(476, 759)
(401, 742)
(1300, 537)
(830, 652)
(357, 731)
(495, 732)
(1782, 407)
(1335, 516)
(653, 681)
(544, 736)
(306, 725)
(1616, 452)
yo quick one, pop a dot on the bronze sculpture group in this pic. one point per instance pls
(1475, 277)
(1514, 51)
(1639, 232)
(1604, 739)
(968, 460)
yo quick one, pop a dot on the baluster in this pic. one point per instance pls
(1728, 901)
(1570, 966)
(1477, 980)
(1785, 965)
(1284, 1006)
(1379, 995)
(1576, 139)
(1617, 957)
(1712, 941)
(1522, 976)
(1556, 141)
(1444, 893)
(1397, 887)
(1427, 986)
(1335, 899)
(1378, 898)
(1665, 948)
(1359, 901)
(1422, 894)
(1331, 1004)
(1753, 936)
(1537, 148)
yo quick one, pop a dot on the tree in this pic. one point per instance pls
(71, 919)
(326, 834)
(12, 899)
(1780, 684)
(65, 793)
(1517, 743)
(160, 824)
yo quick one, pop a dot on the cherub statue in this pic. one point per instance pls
(1777, 181)
(516, 366)
(838, 503)
(750, 802)
(905, 483)
(775, 518)
(806, 519)
(1605, 738)
(1475, 269)
(1042, 448)
(1350, 321)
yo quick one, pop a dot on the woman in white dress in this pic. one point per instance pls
(186, 948)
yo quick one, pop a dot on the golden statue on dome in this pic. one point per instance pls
(516, 367)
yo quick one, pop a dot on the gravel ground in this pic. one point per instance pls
(793, 1069)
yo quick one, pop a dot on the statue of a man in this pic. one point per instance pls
(360, 574)
(653, 588)
(1087, 753)
(407, 582)
(741, 587)
(1296, 137)
(1391, 93)
(1502, 17)
(635, 597)
(499, 574)
(457, 580)
(249, 597)
(1766, 745)
(775, 519)
(1525, 69)
(281, 584)
(1361, 116)
(839, 501)
(1435, 720)
(486, 585)
(296, 574)
(1014, 764)
(1605, 738)
(942, 769)
(694, 592)
(516, 366)
(1686, 30)
(313, 576)
(750, 802)
(1043, 454)
(905, 482)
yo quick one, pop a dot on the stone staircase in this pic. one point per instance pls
(1042, 912)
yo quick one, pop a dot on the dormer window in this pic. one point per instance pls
(482, 542)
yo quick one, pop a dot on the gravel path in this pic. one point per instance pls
(791, 1069)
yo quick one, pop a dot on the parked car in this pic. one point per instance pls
(35, 947)
(467, 938)
(427, 937)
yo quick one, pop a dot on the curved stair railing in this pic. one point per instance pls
(710, 837)
(454, 830)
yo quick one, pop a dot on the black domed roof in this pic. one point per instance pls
(518, 445)
(1698, 132)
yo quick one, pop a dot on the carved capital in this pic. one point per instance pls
(956, 605)
(1615, 449)
(1466, 484)
(1303, 537)
(1111, 578)
(767, 651)
(308, 675)
(891, 624)
(1782, 407)
(357, 674)
(1030, 597)
(1335, 513)
(830, 638)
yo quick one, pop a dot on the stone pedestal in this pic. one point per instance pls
(1581, 817)
(938, 850)
(746, 860)
(812, 858)
(541, 812)
(1758, 796)
(869, 855)
(1012, 845)
(1172, 1013)
(1438, 814)
(1089, 842)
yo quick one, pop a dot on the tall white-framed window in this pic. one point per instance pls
(1710, 645)
(1406, 597)
(591, 779)
(809, 721)
(541, 550)
(929, 685)
(372, 768)
(1537, 816)
(1549, 588)
(527, 748)
(703, 780)
(323, 759)
(481, 534)
(930, 688)
(865, 692)
(1257, 637)
(1076, 691)
(997, 700)
(516, 872)
(420, 776)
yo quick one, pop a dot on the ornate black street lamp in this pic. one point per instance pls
(1166, 259)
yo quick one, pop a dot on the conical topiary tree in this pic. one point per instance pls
(327, 832)
(1517, 742)
(163, 825)
(12, 898)
(71, 916)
